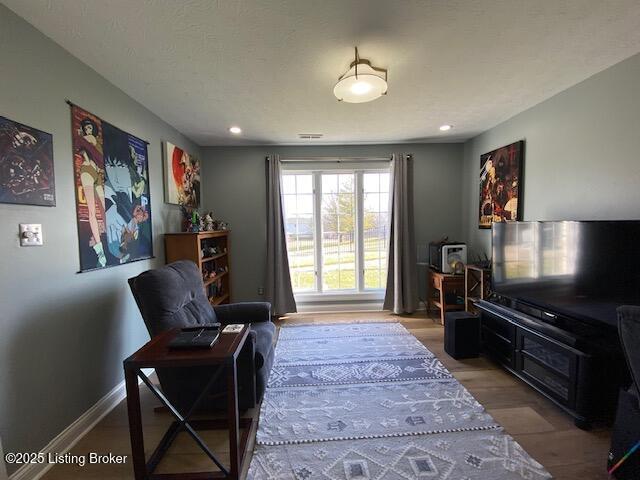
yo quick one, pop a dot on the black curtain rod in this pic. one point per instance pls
(336, 159)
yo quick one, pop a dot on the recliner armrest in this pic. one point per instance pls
(244, 312)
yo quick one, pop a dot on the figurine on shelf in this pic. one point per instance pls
(186, 218)
(209, 224)
(196, 222)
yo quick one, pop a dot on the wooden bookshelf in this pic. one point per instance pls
(214, 257)
(214, 267)
(219, 300)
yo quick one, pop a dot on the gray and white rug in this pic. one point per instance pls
(311, 351)
(369, 401)
(362, 371)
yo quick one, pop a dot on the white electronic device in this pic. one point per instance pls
(454, 258)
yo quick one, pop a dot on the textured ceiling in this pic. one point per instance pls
(270, 66)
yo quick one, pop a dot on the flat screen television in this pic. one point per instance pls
(580, 269)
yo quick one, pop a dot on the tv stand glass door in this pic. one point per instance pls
(549, 366)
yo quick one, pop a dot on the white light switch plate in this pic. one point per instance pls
(30, 234)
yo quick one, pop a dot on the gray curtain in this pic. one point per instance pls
(402, 279)
(278, 289)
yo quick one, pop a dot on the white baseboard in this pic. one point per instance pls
(71, 435)
(346, 308)
(339, 307)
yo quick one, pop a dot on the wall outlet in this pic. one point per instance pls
(30, 235)
(260, 290)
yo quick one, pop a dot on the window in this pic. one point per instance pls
(297, 195)
(336, 224)
(338, 246)
(375, 228)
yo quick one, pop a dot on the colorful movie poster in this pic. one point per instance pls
(26, 165)
(113, 203)
(501, 185)
(181, 177)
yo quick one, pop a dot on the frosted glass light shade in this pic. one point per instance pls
(365, 87)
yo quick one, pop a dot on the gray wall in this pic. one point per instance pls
(582, 154)
(236, 189)
(64, 335)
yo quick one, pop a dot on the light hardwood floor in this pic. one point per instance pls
(544, 431)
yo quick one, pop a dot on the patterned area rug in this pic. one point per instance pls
(369, 401)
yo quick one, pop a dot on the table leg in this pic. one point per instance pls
(428, 293)
(233, 420)
(183, 424)
(135, 424)
(442, 290)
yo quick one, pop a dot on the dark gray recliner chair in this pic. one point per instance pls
(626, 428)
(173, 296)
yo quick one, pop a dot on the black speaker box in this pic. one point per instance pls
(461, 334)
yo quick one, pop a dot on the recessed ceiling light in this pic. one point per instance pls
(235, 130)
(444, 128)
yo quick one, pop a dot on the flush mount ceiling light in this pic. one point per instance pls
(361, 83)
(445, 128)
(235, 130)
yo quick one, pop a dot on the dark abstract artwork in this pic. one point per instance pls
(26, 165)
(113, 203)
(501, 185)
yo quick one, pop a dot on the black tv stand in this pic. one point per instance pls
(579, 367)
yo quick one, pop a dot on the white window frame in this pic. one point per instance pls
(317, 169)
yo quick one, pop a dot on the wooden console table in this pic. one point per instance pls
(156, 354)
(439, 285)
(477, 286)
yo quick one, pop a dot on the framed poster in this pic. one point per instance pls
(181, 177)
(113, 202)
(501, 185)
(26, 165)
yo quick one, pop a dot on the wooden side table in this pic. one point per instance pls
(477, 286)
(157, 354)
(438, 286)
